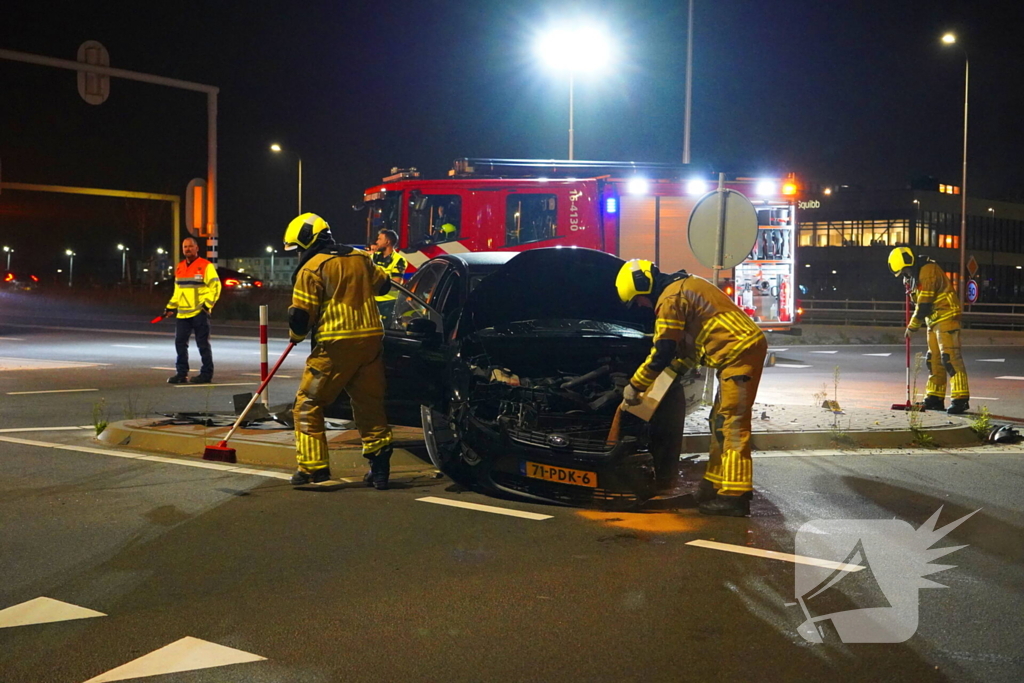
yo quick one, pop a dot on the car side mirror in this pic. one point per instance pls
(421, 328)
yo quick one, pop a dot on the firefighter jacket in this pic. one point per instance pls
(696, 324)
(334, 296)
(934, 297)
(394, 266)
(196, 286)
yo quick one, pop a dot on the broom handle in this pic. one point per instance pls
(259, 391)
(906, 317)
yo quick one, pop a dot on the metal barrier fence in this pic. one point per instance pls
(851, 312)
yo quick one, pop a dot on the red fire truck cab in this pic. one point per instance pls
(631, 210)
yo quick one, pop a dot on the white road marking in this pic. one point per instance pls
(483, 508)
(773, 555)
(43, 429)
(880, 355)
(49, 391)
(778, 350)
(187, 654)
(824, 351)
(790, 365)
(201, 464)
(278, 376)
(44, 611)
(1010, 377)
(216, 384)
(37, 364)
(984, 398)
(11, 339)
(167, 369)
(131, 346)
(991, 360)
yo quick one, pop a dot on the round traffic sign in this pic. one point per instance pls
(972, 291)
(739, 229)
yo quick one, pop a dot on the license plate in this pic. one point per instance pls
(562, 475)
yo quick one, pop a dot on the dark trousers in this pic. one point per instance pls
(667, 433)
(200, 324)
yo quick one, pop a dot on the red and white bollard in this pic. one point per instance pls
(264, 366)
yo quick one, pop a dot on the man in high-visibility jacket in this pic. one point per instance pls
(333, 297)
(937, 307)
(696, 323)
(393, 263)
(196, 291)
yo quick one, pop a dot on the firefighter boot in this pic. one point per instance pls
(315, 477)
(958, 406)
(705, 491)
(380, 468)
(726, 506)
(177, 379)
(933, 403)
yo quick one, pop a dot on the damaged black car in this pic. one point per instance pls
(514, 365)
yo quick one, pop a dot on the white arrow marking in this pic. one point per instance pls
(824, 352)
(44, 611)
(880, 355)
(991, 360)
(773, 555)
(187, 654)
(1010, 377)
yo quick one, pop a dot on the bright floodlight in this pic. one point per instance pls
(637, 186)
(275, 147)
(697, 186)
(270, 250)
(120, 247)
(160, 250)
(765, 188)
(582, 49)
(949, 39)
(68, 252)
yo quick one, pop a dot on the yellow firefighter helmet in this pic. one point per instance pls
(635, 278)
(303, 231)
(900, 258)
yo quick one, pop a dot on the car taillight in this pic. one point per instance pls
(257, 283)
(9, 277)
(231, 282)
(34, 278)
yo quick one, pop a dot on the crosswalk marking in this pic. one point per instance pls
(187, 654)
(773, 555)
(44, 611)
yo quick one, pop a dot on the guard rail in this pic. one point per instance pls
(873, 312)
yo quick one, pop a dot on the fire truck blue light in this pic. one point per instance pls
(611, 205)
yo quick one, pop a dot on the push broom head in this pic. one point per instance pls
(902, 406)
(221, 453)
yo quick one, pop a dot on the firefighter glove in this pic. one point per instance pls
(631, 395)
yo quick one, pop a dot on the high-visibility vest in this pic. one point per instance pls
(196, 285)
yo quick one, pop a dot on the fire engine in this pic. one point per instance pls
(631, 210)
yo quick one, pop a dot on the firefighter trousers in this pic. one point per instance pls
(355, 366)
(667, 434)
(944, 360)
(730, 467)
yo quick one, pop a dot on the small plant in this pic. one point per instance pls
(981, 423)
(100, 416)
(835, 384)
(819, 397)
(921, 438)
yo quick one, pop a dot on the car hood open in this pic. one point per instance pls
(552, 284)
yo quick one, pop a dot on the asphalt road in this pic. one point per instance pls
(354, 584)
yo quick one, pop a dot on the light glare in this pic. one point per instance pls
(765, 188)
(583, 49)
(637, 186)
(697, 186)
(949, 39)
(275, 147)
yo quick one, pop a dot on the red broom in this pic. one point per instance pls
(221, 452)
(906, 318)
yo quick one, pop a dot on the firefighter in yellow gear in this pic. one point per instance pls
(333, 298)
(393, 263)
(935, 306)
(196, 291)
(698, 324)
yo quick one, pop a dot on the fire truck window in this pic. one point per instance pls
(529, 218)
(434, 218)
(384, 214)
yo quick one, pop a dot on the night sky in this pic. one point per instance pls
(838, 92)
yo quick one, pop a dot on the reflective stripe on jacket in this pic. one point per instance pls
(934, 291)
(337, 291)
(706, 326)
(395, 266)
(196, 285)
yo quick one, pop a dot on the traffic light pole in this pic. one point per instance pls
(211, 122)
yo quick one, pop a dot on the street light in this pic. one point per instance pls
(586, 48)
(8, 251)
(271, 251)
(277, 149)
(950, 39)
(124, 266)
(71, 265)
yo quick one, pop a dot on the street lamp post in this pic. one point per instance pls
(277, 149)
(124, 262)
(271, 251)
(8, 251)
(950, 39)
(71, 266)
(582, 49)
